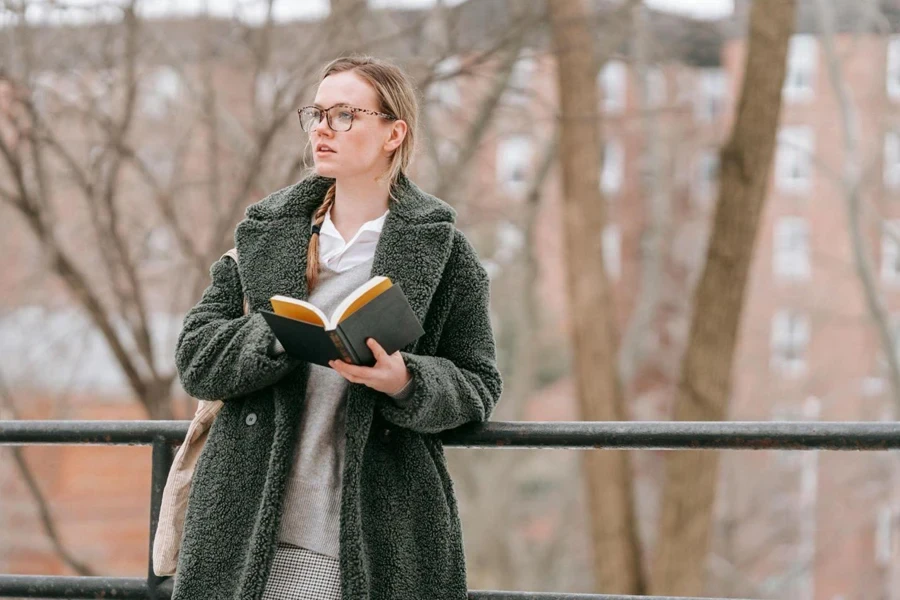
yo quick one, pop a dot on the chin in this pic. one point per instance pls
(334, 171)
(326, 171)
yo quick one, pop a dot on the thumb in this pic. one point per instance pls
(377, 351)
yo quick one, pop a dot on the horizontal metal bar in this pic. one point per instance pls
(684, 435)
(648, 435)
(58, 586)
(51, 586)
(491, 595)
(91, 432)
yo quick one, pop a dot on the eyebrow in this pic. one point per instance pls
(317, 105)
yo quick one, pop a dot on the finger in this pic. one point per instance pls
(348, 369)
(377, 351)
(340, 367)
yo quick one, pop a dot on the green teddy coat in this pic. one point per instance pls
(400, 535)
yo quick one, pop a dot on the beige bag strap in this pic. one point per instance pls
(232, 253)
(234, 256)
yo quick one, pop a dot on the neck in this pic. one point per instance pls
(359, 199)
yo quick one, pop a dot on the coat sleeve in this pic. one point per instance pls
(461, 382)
(222, 354)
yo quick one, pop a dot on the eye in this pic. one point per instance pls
(345, 115)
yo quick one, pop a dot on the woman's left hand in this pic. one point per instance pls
(388, 375)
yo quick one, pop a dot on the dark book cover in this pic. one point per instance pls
(388, 318)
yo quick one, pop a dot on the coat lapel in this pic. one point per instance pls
(412, 255)
(412, 250)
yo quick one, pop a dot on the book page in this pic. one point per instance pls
(359, 298)
(300, 310)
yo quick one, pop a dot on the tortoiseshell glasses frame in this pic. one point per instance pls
(338, 120)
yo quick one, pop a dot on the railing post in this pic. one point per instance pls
(162, 462)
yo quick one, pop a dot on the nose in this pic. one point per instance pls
(322, 127)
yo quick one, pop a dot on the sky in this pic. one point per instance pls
(707, 9)
(252, 10)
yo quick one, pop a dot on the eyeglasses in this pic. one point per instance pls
(339, 116)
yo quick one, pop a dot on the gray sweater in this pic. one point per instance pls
(311, 510)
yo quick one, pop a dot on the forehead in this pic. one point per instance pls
(346, 88)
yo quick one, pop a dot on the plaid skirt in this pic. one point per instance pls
(301, 574)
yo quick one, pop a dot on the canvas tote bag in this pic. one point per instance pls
(173, 506)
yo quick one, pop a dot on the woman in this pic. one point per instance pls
(323, 482)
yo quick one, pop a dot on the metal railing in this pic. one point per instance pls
(642, 435)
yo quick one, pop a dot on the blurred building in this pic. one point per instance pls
(808, 333)
(789, 525)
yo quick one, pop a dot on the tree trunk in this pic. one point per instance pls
(704, 386)
(607, 473)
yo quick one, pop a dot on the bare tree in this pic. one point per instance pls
(45, 513)
(210, 148)
(705, 383)
(617, 558)
(852, 183)
(491, 545)
(658, 202)
(99, 158)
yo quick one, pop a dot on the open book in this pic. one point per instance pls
(377, 309)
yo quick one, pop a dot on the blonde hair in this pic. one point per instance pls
(397, 96)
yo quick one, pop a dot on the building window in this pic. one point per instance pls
(162, 87)
(613, 86)
(509, 239)
(892, 159)
(894, 326)
(647, 168)
(158, 160)
(799, 82)
(612, 251)
(790, 338)
(656, 87)
(444, 88)
(613, 166)
(272, 86)
(159, 244)
(872, 386)
(706, 174)
(447, 151)
(884, 529)
(791, 255)
(685, 86)
(519, 86)
(793, 160)
(710, 101)
(893, 67)
(514, 163)
(890, 252)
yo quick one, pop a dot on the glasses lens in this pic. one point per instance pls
(341, 118)
(309, 118)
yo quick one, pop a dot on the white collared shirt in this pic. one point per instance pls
(339, 255)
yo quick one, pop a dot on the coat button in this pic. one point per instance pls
(251, 419)
(386, 434)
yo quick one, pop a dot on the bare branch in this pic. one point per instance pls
(852, 181)
(47, 520)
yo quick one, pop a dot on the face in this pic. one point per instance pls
(367, 147)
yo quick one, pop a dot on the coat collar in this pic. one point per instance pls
(412, 250)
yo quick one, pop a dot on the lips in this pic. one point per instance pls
(323, 149)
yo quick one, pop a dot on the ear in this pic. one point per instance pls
(398, 134)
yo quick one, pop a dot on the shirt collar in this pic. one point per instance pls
(374, 225)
